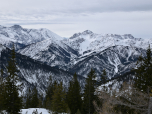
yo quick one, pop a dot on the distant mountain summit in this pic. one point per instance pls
(16, 27)
(88, 42)
(79, 34)
(22, 37)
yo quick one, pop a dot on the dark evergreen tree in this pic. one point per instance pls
(2, 92)
(58, 99)
(78, 112)
(2, 73)
(34, 99)
(41, 101)
(13, 103)
(28, 99)
(89, 93)
(74, 100)
(49, 93)
(104, 77)
(69, 96)
(143, 72)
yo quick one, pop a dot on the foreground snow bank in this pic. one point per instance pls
(39, 110)
(31, 110)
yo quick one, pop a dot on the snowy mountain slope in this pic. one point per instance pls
(74, 54)
(53, 53)
(115, 60)
(88, 41)
(34, 73)
(18, 35)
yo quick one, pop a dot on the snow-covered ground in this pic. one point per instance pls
(39, 110)
(31, 110)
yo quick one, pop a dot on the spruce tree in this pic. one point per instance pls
(28, 99)
(143, 72)
(34, 99)
(58, 99)
(78, 112)
(13, 102)
(89, 93)
(49, 93)
(74, 95)
(104, 77)
(2, 92)
(41, 101)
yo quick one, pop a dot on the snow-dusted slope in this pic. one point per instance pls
(87, 41)
(53, 53)
(21, 36)
(115, 60)
(34, 73)
(74, 54)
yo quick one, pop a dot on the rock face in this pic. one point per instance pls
(117, 54)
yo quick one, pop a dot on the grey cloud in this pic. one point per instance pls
(74, 6)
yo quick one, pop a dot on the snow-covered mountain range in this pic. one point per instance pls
(69, 53)
(115, 53)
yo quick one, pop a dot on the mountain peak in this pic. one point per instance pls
(16, 27)
(87, 32)
(129, 36)
(83, 33)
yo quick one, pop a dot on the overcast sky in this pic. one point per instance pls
(66, 17)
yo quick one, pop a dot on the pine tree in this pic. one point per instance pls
(2, 91)
(13, 102)
(28, 99)
(58, 99)
(89, 93)
(143, 73)
(49, 93)
(34, 99)
(74, 95)
(40, 101)
(78, 112)
(104, 77)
